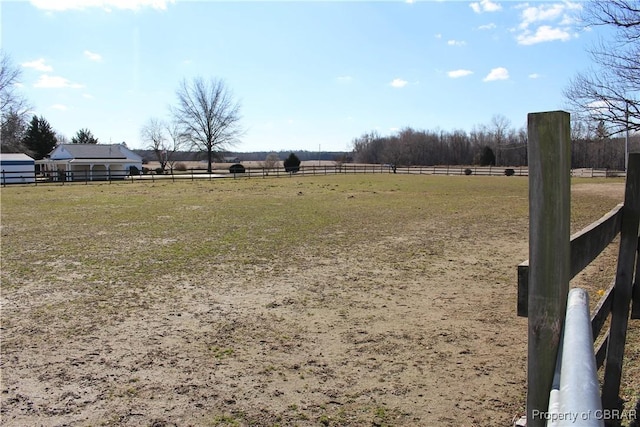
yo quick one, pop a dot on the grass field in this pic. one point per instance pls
(330, 300)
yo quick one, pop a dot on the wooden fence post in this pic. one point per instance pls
(549, 153)
(623, 289)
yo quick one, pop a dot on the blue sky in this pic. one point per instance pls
(309, 75)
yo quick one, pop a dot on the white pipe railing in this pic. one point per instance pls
(574, 399)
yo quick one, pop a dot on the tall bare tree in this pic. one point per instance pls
(500, 126)
(208, 114)
(13, 107)
(153, 134)
(610, 91)
(176, 141)
(164, 139)
(10, 99)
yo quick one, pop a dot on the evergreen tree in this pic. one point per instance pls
(84, 136)
(292, 163)
(39, 138)
(485, 157)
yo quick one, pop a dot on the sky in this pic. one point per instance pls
(309, 75)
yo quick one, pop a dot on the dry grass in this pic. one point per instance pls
(334, 300)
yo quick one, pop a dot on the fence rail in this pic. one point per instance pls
(36, 178)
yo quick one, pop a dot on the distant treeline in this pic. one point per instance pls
(499, 146)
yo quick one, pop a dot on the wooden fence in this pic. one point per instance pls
(556, 257)
(35, 178)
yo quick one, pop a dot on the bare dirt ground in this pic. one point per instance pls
(336, 337)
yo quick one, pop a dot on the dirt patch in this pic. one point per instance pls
(602, 189)
(417, 327)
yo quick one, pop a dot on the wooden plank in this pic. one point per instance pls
(601, 351)
(601, 311)
(623, 286)
(549, 153)
(589, 242)
(635, 307)
(586, 245)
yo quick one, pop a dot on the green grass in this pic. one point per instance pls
(144, 231)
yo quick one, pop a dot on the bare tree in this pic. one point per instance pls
(208, 115)
(62, 138)
(164, 139)
(500, 126)
(13, 107)
(153, 133)
(610, 91)
(175, 142)
(10, 100)
(272, 161)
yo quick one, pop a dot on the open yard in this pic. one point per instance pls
(323, 301)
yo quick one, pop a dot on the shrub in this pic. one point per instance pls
(509, 172)
(468, 171)
(485, 157)
(133, 170)
(180, 167)
(237, 168)
(159, 171)
(145, 170)
(292, 163)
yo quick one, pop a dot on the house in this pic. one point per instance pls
(17, 168)
(90, 162)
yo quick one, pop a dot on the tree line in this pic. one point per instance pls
(496, 144)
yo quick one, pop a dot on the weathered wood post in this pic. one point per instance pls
(549, 152)
(622, 293)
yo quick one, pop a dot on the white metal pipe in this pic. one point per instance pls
(553, 417)
(580, 403)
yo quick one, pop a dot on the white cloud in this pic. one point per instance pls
(548, 22)
(59, 107)
(534, 76)
(104, 4)
(38, 64)
(499, 73)
(438, 36)
(544, 12)
(485, 6)
(93, 56)
(543, 34)
(455, 74)
(47, 81)
(456, 43)
(489, 26)
(87, 96)
(398, 83)
(344, 79)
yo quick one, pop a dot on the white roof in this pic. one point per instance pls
(7, 157)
